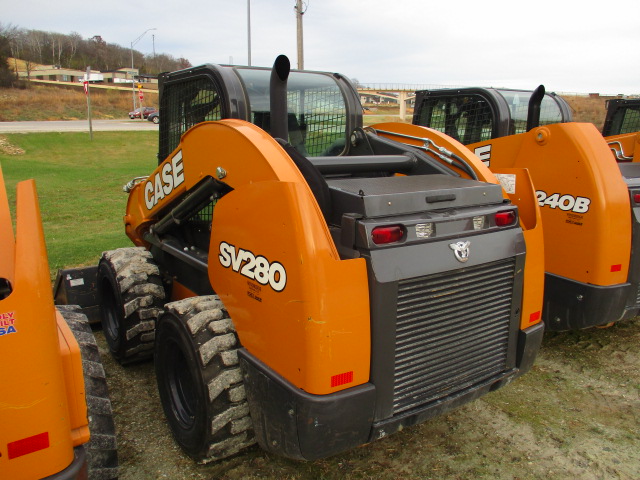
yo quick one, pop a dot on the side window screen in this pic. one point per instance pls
(184, 105)
(467, 118)
(630, 120)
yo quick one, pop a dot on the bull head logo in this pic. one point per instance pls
(460, 250)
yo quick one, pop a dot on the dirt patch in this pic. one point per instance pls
(7, 148)
(575, 415)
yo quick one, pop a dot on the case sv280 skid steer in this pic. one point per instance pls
(52, 378)
(318, 293)
(590, 205)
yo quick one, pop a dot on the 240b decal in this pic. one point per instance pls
(568, 203)
(256, 268)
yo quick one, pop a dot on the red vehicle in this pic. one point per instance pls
(146, 111)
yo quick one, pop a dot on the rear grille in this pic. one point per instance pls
(452, 332)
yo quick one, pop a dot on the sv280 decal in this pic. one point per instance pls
(254, 267)
(568, 203)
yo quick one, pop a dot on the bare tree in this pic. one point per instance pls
(15, 37)
(58, 44)
(35, 41)
(73, 40)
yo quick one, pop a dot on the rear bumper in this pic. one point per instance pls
(571, 305)
(292, 423)
(77, 470)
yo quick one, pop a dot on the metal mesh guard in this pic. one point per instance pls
(452, 332)
(187, 104)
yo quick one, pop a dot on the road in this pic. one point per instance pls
(76, 126)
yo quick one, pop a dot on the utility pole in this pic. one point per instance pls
(88, 94)
(249, 31)
(133, 83)
(299, 13)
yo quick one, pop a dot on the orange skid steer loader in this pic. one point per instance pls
(590, 205)
(308, 284)
(52, 378)
(621, 129)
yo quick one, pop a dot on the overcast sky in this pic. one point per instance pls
(569, 46)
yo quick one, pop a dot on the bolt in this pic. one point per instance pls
(221, 173)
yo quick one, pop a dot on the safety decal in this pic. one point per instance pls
(163, 183)
(567, 203)
(254, 267)
(7, 323)
(508, 182)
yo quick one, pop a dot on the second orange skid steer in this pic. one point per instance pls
(621, 129)
(590, 205)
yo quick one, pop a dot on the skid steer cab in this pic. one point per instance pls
(55, 412)
(590, 205)
(622, 129)
(311, 284)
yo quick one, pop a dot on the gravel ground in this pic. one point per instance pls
(575, 415)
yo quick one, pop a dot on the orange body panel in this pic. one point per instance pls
(179, 291)
(625, 145)
(523, 196)
(42, 391)
(583, 198)
(483, 173)
(309, 328)
(6, 234)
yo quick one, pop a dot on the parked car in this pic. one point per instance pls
(154, 117)
(146, 111)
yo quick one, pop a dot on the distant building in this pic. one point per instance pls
(54, 73)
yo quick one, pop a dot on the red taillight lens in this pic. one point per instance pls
(504, 219)
(390, 234)
(636, 198)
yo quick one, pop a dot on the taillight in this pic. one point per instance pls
(504, 219)
(636, 198)
(387, 234)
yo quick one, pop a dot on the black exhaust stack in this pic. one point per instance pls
(279, 125)
(533, 115)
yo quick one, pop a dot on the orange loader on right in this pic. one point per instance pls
(590, 204)
(621, 128)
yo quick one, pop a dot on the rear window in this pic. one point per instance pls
(518, 102)
(317, 110)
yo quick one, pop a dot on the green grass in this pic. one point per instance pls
(79, 185)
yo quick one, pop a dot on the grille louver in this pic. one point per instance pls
(452, 332)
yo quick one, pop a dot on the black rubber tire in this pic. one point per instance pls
(200, 381)
(156, 120)
(131, 297)
(102, 452)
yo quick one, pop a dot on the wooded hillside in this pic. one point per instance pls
(74, 52)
